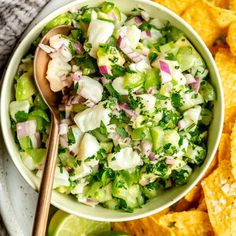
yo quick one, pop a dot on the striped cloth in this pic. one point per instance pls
(15, 15)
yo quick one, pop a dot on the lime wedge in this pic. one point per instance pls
(63, 224)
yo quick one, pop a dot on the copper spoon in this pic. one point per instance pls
(52, 99)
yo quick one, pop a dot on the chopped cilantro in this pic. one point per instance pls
(122, 132)
(71, 137)
(176, 100)
(21, 116)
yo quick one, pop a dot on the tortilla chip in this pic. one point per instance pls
(195, 194)
(226, 64)
(220, 3)
(231, 38)
(194, 223)
(182, 205)
(175, 5)
(233, 150)
(146, 226)
(202, 204)
(230, 118)
(223, 17)
(224, 148)
(220, 192)
(232, 5)
(199, 18)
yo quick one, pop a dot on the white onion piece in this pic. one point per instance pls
(196, 85)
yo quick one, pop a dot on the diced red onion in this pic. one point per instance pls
(63, 128)
(165, 71)
(77, 76)
(127, 110)
(138, 21)
(134, 21)
(181, 124)
(170, 160)
(150, 91)
(152, 156)
(148, 33)
(145, 15)
(79, 47)
(46, 48)
(120, 40)
(164, 67)
(104, 70)
(72, 153)
(196, 85)
(35, 140)
(146, 147)
(190, 79)
(26, 128)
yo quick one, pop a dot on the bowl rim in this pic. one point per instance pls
(56, 199)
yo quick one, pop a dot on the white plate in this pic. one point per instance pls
(17, 199)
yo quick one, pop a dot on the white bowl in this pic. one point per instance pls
(169, 197)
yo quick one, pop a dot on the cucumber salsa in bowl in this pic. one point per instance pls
(136, 105)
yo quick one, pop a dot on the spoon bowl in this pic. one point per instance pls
(52, 99)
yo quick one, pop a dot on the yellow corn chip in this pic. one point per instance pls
(231, 38)
(182, 205)
(220, 192)
(233, 150)
(223, 17)
(195, 194)
(176, 5)
(232, 5)
(202, 204)
(226, 64)
(186, 223)
(224, 148)
(230, 118)
(199, 18)
(146, 226)
(220, 3)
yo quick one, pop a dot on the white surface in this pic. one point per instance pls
(17, 198)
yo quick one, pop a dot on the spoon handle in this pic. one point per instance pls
(44, 199)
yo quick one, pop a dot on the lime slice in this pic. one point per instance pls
(63, 224)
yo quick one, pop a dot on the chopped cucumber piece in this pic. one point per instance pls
(157, 135)
(152, 79)
(133, 80)
(25, 87)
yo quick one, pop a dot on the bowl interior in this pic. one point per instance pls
(69, 204)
